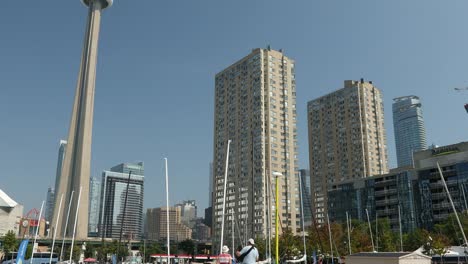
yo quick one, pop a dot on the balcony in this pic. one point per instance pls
(384, 182)
(386, 202)
(385, 192)
(387, 212)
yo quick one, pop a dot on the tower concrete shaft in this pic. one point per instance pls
(77, 161)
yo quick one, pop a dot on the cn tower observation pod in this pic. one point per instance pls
(104, 3)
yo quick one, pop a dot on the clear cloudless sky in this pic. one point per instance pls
(155, 78)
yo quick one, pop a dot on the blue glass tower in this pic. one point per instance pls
(408, 124)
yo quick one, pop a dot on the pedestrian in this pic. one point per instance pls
(225, 257)
(249, 254)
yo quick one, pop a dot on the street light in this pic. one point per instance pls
(277, 174)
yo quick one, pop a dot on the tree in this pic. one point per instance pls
(187, 246)
(90, 251)
(153, 248)
(360, 237)
(386, 237)
(289, 245)
(260, 245)
(10, 243)
(438, 244)
(415, 239)
(449, 227)
(76, 253)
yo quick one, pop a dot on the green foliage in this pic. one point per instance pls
(151, 248)
(76, 253)
(386, 239)
(289, 245)
(90, 251)
(260, 243)
(28, 251)
(415, 239)
(10, 243)
(187, 246)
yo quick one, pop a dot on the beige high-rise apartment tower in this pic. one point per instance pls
(255, 107)
(347, 139)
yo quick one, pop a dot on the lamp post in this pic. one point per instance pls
(277, 174)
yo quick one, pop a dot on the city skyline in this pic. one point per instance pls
(36, 109)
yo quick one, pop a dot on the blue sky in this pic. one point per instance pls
(156, 67)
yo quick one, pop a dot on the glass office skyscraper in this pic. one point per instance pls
(94, 195)
(408, 124)
(113, 213)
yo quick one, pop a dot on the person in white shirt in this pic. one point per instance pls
(251, 253)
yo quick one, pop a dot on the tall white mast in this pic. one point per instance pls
(55, 229)
(348, 225)
(167, 214)
(66, 224)
(74, 226)
(370, 230)
(224, 197)
(37, 231)
(302, 216)
(401, 233)
(330, 235)
(453, 206)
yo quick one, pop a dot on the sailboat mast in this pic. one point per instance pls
(376, 231)
(302, 215)
(37, 230)
(370, 230)
(74, 226)
(55, 230)
(224, 197)
(401, 233)
(66, 224)
(168, 240)
(349, 236)
(277, 219)
(453, 206)
(330, 236)
(232, 232)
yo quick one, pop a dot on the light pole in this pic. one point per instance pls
(277, 174)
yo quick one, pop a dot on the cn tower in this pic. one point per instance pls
(74, 181)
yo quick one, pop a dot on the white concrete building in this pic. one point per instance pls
(10, 214)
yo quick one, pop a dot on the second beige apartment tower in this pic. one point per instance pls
(255, 108)
(347, 139)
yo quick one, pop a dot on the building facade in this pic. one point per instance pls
(50, 202)
(201, 232)
(255, 108)
(383, 196)
(431, 199)
(94, 199)
(306, 202)
(114, 210)
(188, 212)
(61, 155)
(408, 126)
(415, 195)
(347, 139)
(11, 214)
(157, 224)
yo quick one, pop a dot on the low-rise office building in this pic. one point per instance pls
(416, 195)
(383, 196)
